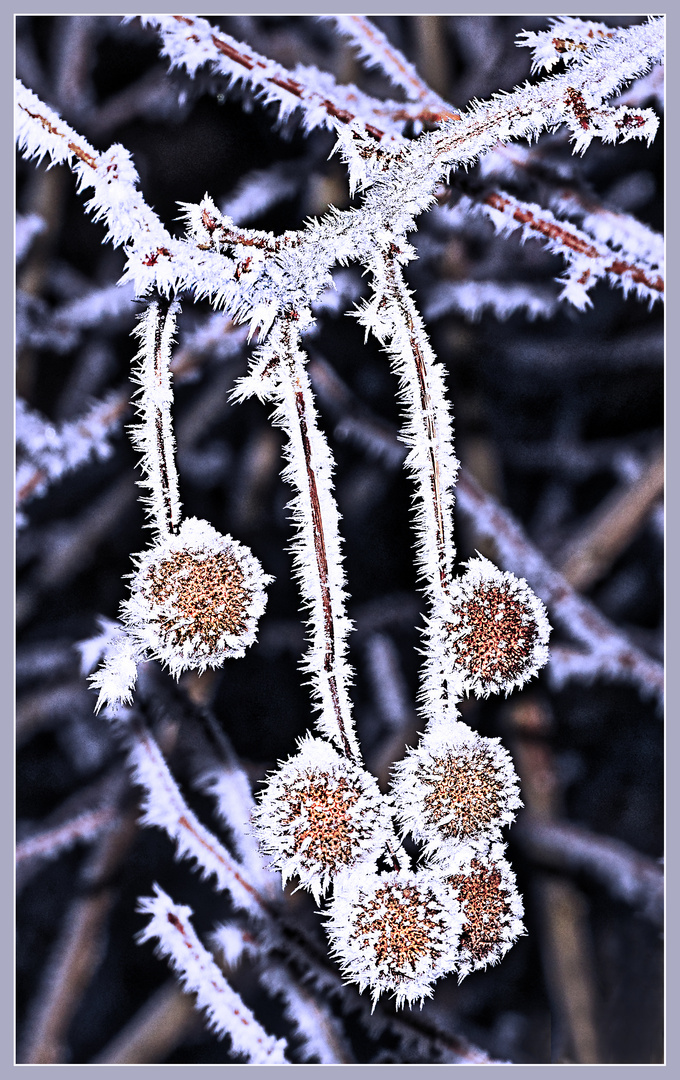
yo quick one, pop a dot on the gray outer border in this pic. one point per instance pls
(312, 1072)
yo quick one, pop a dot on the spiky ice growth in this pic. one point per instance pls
(496, 632)
(456, 787)
(196, 598)
(395, 932)
(320, 816)
(484, 885)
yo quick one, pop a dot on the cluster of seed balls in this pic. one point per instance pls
(195, 600)
(323, 820)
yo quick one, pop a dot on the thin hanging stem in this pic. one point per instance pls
(154, 437)
(393, 317)
(316, 548)
(427, 432)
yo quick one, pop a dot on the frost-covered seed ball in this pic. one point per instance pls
(487, 893)
(196, 598)
(496, 635)
(456, 787)
(395, 932)
(320, 815)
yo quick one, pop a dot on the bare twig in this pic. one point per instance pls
(565, 946)
(612, 526)
(78, 952)
(154, 1031)
(626, 874)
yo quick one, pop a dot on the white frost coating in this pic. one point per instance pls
(92, 650)
(116, 678)
(650, 88)
(191, 42)
(234, 943)
(320, 1033)
(568, 40)
(321, 816)
(602, 662)
(170, 924)
(622, 660)
(395, 933)
(163, 806)
(629, 238)
(403, 176)
(501, 298)
(376, 51)
(393, 318)
(486, 888)
(271, 282)
(456, 788)
(279, 374)
(195, 599)
(63, 329)
(41, 132)
(591, 254)
(153, 437)
(259, 190)
(229, 787)
(28, 226)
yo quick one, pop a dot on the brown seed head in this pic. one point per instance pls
(403, 926)
(486, 905)
(497, 632)
(324, 829)
(207, 597)
(467, 790)
(195, 598)
(319, 815)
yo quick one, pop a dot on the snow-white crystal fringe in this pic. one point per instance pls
(153, 437)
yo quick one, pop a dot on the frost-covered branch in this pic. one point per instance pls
(51, 843)
(227, 1014)
(411, 869)
(64, 328)
(50, 452)
(164, 807)
(376, 51)
(192, 43)
(393, 317)
(400, 183)
(41, 132)
(588, 260)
